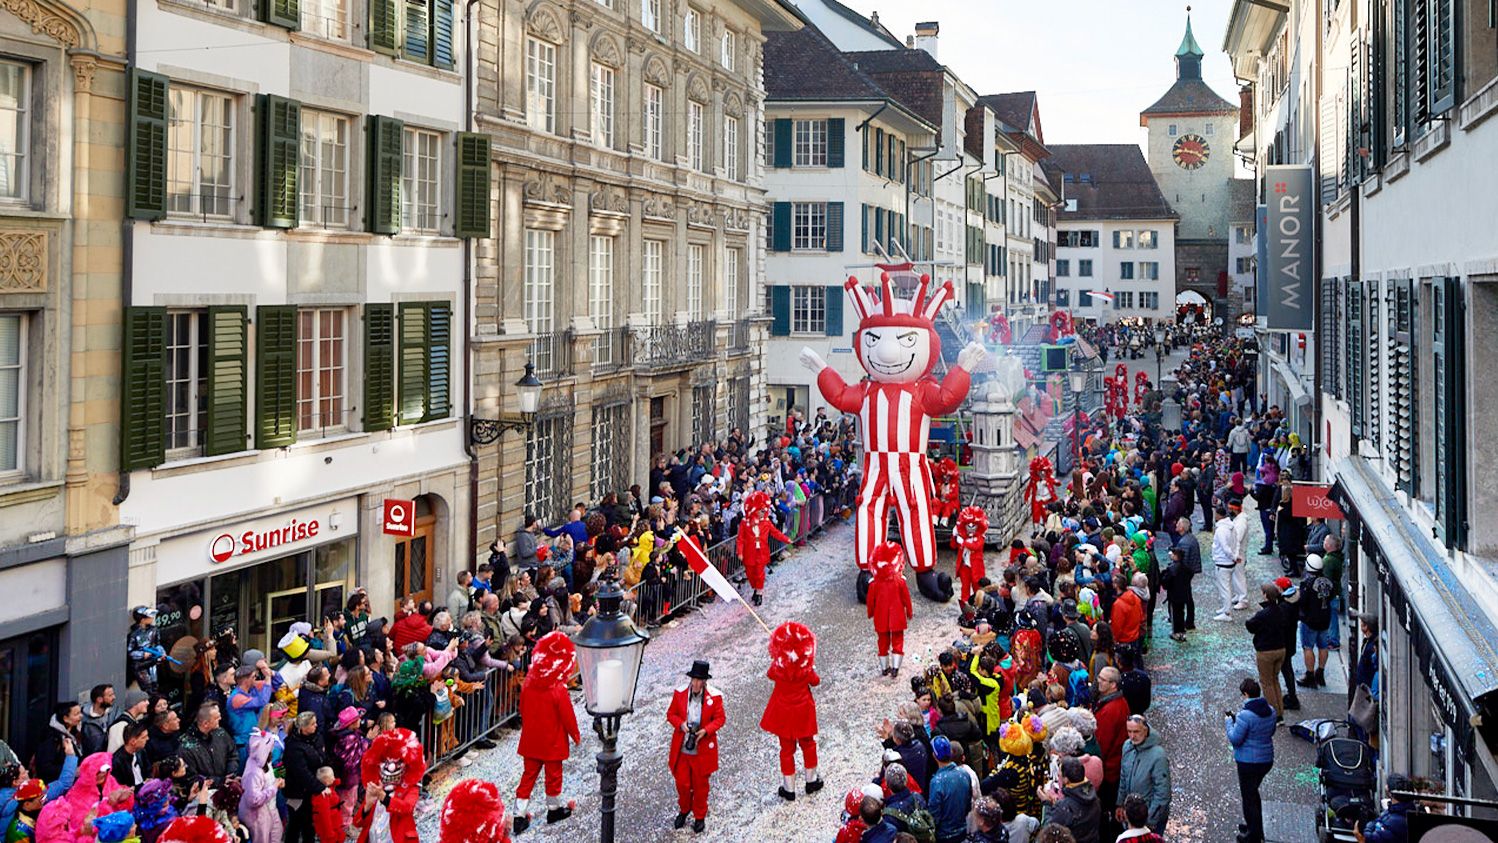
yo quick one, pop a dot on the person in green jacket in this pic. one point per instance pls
(1145, 770)
(987, 673)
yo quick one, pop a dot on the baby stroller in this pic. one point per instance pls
(1347, 782)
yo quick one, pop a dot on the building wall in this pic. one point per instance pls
(1107, 264)
(1201, 196)
(847, 35)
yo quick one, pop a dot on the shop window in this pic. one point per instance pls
(28, 688)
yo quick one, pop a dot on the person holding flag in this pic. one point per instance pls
(889, 605)
(754, 540)
(791, 713)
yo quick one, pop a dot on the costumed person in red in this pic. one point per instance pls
(889, 605)
(474, 812)
(898, 347)
(195, 829)
(1042, 488)
(696, 714)
(755, 531)
(791, 713)
(391, 771)
(327, 809)
(948, 491)
(547, 722)
(968, 538)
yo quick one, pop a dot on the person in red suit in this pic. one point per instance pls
(696, 714)
(547, 722)
(474, 812)
(889, 605)
(755, 531)
(968, 538)
(391, 770)
(791, 713)
(948, 491)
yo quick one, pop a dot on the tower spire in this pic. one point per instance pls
(1189, 55)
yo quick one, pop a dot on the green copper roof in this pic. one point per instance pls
(1189, 47)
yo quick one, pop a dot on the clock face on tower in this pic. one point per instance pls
(1190, 152)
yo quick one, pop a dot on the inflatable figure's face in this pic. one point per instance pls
(895, 353)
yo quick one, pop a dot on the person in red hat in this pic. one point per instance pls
(391, 771)
(29, 798)
(968, 538)
(196, 829)
(889, 605)
(791, 713)
(696, 714)
(474, 812)
(547, 722)
(753, 545)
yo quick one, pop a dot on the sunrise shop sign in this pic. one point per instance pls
(1290, 235)
(226, 546)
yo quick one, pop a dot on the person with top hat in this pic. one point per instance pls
(696, 714)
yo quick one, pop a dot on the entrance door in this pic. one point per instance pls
(282, 609)
(657, 428)
(413, 563)
(28, 688)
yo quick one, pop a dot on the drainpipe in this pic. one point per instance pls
(127, 248)
(468, 448)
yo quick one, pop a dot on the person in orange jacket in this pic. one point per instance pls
(696, 714)
(889, 605)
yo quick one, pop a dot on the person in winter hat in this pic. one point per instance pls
(117, 827)
(474, 812)
(888, 603)
(753, 545)
(791, 713)
(547, 723)
(696, 714)
(853, 825)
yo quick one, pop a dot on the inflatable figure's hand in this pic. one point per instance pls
(812, 360)
(969, 358)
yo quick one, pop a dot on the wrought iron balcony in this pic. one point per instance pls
(739, 334)
(552, 354)
(611, 349)
(674, 346)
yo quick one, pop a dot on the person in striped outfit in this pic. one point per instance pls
(897, 346)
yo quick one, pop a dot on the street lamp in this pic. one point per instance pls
(1159, 354)
(1078, 386)
(609, 651)
(486, 431)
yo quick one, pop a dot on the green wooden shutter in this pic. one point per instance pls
(143, 389)
(439, 361)
(834, 226)
(442, 34)
(835, 142)
(386, 146)
(224, 425)
(275, 376)
(867, 139)
(145, 145)
(278, 149)
(283, 13)
(900, 161)
(879, 226)
(1450, 411)
(412, 396)
(780, 227)
(784, 144)
(863, 239)
(472, 203)
(379, 366)
(384, 26)
(418, 44)
(834, 310)
(780, 311)
(878, 152)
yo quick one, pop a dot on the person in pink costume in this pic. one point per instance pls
(66, 820)
(257, 806)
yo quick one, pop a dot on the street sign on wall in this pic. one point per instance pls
(1289, 277)
(1310, 500)
(399, 517)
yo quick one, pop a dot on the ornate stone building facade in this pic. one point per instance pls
(628, 238)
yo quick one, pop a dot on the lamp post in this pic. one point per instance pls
(487, 431)
(1159, 354)
(1078, 386)
(609, 651)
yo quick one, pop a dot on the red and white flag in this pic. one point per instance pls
(704, 568)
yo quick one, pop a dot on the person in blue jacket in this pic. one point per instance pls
(1393, 825)
(1251, 732)
(13, 776)
(951, 794)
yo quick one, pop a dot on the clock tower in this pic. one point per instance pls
(1191, 135)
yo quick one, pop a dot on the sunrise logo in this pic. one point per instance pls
(226, 546)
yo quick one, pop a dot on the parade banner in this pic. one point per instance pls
(1290, 272)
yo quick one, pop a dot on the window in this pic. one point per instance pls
(1243, 266)
(548, 468)
(695, 159)
(691, 34)
(1149, 239)
(421, 181)
(1126, 271)
(654, 109)
(1084, 298)
(1149, 301)
(325, 19)
(540, 84)
(811, 143)
(601, 96)
(1063, 298)
(1063, 268)
(601, 294)
(1149, 270)
(808, 310)
(1084, 268)
(1208, 128)
(731, 148)
(1123, 301)
(611, 447)
(320, 368)
(1123, 239)
(1193, 274)
(200, 149)
(15, 134)
(1172, 130)
(186, 379)
(1078, 239)
(650, 14)
(704, 415)
(728, 50)
(536, 298)
(695, 257)
(324, 169)
(652, 257)
(12, 391)
(809, 226)
(731, 259)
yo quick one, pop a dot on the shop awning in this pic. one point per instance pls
(1297, 390)
(1458, 639)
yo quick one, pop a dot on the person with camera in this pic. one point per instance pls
(696, 714)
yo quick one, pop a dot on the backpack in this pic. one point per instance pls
(1079, 689)
(919, 823)
(1316, 602)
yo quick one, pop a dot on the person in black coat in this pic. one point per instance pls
(1268, 628)
(1177, 581)
(1290, 616)
(303, 755)
(62, 731)
(128, 764)
(312, 697)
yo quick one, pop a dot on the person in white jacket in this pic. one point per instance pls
(1240, 560)
(1224, 561)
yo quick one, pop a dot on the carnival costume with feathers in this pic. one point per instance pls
(755, 531)
(395, 761)
(968, 539)
(474, 812)
(948, 490)
(547, 723)
(196, 830)
(791, 713)
(889, 605)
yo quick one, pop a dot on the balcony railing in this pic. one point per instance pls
(552, 354)
(611, 349)
(667, 346)
(739, 334)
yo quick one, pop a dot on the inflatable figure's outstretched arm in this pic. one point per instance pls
(848, 399)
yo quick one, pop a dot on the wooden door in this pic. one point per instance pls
(413, 563)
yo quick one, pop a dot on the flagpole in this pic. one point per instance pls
(677, 537)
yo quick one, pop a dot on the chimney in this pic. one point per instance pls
(873, 18)
(925, 36)
(1245, 110)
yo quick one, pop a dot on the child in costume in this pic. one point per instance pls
(889, 605)
(968, 538)
(791, 713)
(547, 722)
(257, 807)
(327, 809)
(753, 546)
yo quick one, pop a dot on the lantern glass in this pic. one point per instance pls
(1078, 382)
(529, 389)
(609, 652)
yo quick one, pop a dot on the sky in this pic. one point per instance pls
(1095, 64)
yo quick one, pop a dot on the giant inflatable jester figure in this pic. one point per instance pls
(897, 345)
